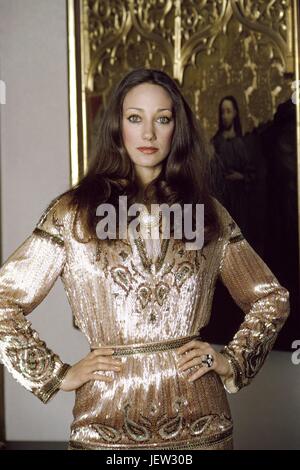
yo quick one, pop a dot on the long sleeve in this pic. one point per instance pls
(26, 277)
(265, 303)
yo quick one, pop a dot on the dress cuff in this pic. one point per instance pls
(233, 383)
(52, 387)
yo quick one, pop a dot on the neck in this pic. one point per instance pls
(229, 132)
(146, 175)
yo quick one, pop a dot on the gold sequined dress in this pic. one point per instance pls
(144, 311)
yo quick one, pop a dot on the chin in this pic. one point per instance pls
(147, 160)
(147, 164)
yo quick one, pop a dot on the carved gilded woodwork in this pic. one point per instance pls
(212, 48)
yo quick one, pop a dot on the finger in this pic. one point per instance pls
(196, 359)
(189, 355)
(105, 378)
(106, 360)
(195, 362)
(102, 366)
(200, 372)
(191, 344)
(195, 352)
(102, 352)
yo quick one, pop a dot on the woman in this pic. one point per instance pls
(150, 381)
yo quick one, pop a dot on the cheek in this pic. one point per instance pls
(129, 134)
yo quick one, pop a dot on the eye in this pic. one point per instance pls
(166, 119)
(132, 115)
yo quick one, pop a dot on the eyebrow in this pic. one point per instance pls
(160, 109)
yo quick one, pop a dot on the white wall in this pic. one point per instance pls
(35, 168)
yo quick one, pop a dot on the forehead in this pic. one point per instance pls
(147, 95)
(227, 104)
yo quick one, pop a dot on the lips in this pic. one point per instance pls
(148, 149)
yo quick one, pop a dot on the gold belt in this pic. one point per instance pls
(123, 350)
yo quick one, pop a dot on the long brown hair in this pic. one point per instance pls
(184, 177)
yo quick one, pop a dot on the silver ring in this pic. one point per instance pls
(207, 359)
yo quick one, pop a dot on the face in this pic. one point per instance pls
(228, 113)
(147, 121)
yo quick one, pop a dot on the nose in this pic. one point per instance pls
(148, 132)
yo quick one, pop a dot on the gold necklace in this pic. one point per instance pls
(148, 220)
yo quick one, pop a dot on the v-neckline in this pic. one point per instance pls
(146, 261)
